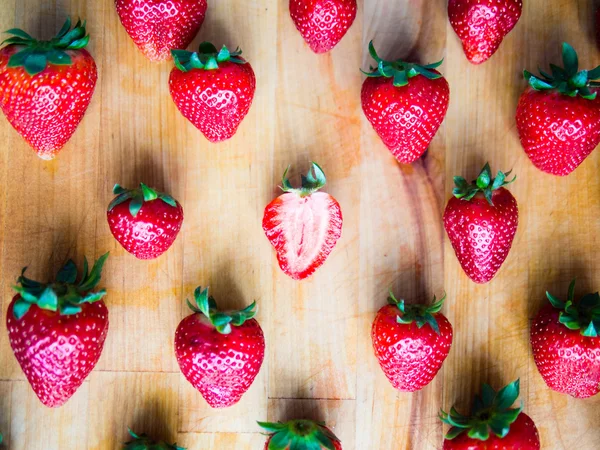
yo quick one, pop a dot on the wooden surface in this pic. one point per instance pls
(319, 360)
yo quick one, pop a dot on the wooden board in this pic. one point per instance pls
(319, 363)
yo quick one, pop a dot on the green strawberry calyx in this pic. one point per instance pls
(311, 183)
(222, 320)
(420, 314)
(138, 197)
(36, 55)
(400, 71)
(299, 434)
(583, 315)
(484, 183)
(206, 58)
(491, 413)
(143, 442)
(567, 80)
(64, 294)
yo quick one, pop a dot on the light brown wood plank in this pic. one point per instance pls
(146, 403)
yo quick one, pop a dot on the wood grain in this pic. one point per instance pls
(319, 360)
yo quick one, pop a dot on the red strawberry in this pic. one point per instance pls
(481, 221)
(411, 342)
(143, 442)
(219, 353)
(213, 90)
(145, 222)
(565, 338)
(300, 434)
(46, 87)
(406, 104)
(481, 25)
(303, 225)
(558, 116)
(57, 330)
(323, 23)
(157, 26)
(493, 424)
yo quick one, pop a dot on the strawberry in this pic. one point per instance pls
(493, 424)
(57, 330)
(213, 90)
(157, 26)
(145, 222)
(481, 25)
(46, 86)
(406, 104)
(219, 353)
(143, 442)
(300, 435)
(303, 225)
(481, 221)
(323, 23)
(411, 342)
(558, 116)
(565, 338)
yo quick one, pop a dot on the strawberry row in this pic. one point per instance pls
(558, 115)
(220, 353)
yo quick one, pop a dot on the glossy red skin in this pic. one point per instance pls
(406, 118)
(149, 234)
(557, 131)
(481, 234)
(523, 435)
(567, 361)
(221, 366)
(215, 101)
(481, 25)
(57, 352)
(323, 23)
(46, 108)
(336, 445)
(409, 356)
(157, 26)
(272, 226)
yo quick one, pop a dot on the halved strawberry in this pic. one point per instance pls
(493, 424)
(143, 442)
(303, 225)
(300, 435)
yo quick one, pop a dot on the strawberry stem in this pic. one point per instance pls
(311, 183)
(300, 434)
(567, 80)
(484, 183)
(222, 321)
(64, 294)
(143, 442)
(36, 55)
(491, 412)
(138, 197)
(400, 70)
(207, 57)
(421, 314)
(583, 315)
